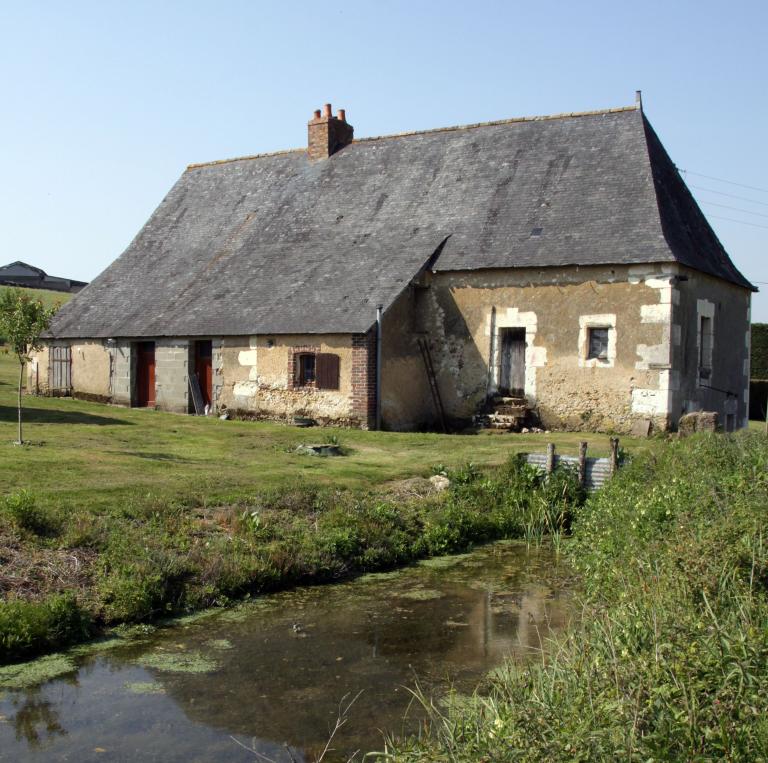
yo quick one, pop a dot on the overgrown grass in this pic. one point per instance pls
(152, 558)
(670, 658)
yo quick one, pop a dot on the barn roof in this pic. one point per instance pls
(278, 244)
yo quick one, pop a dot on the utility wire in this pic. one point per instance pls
(743, 222)
(735, 209)
(721, 180)
(730, 195)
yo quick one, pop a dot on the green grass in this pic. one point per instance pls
(95, 456)
(47, 297)
(669, 660)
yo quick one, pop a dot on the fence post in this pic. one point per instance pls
(614, 455)
(582, 462)
(550, 457)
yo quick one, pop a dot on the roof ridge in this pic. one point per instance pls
(453, 128)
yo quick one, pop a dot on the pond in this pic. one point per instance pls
(271, 674)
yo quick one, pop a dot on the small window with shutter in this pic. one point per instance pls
(327, 370)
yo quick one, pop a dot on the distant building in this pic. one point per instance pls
(21, 274)
(557, 266)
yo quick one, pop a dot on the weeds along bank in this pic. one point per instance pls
(67, 573)
(670, 659)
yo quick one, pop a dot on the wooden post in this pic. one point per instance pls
(550, 457)
(583, 462)
(614, 455)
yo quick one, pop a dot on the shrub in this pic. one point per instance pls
(26, 514)
(28, 628)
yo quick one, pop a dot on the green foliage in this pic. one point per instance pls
(759, 345)
(22, 320)
(28, 628)
(22, 508)
(670, 658)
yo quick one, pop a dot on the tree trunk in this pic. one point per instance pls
(21, 381)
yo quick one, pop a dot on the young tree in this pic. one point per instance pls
(22, 321)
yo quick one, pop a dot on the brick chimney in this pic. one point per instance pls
(327, 134)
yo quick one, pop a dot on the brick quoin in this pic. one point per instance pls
(364, 379)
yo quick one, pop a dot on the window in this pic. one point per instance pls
(317, 369)
(597, 347)
(306, 370)
(705, 347)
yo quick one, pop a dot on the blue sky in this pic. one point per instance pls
(104, 104)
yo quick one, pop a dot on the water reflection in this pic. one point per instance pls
(272, 674)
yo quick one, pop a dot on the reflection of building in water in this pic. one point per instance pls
(500, 624)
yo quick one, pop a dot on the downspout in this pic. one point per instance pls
(379, 309)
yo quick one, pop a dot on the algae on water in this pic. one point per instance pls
(26, 674)
(219, 644)
(186, 662)
(421, 594)
(145, 687)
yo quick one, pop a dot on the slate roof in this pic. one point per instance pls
(276, 244)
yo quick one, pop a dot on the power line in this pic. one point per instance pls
(743, 222)
(735, 209)
(729, 195)
(721, 180)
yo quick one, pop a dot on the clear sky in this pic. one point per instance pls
(105, 103)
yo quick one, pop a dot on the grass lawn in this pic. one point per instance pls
(93, 455)
(47, 297)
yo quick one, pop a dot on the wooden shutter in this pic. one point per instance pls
(327, 370)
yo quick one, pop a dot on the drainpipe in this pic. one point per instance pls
(379, 308)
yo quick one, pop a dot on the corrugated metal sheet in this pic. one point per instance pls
(597, 472)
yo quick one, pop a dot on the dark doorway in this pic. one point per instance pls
(204, 368)
(145, 374)
(512, 362)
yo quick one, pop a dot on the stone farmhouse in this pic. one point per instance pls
(555, 268)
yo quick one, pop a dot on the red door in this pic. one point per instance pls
(145, 374)
(204, 369)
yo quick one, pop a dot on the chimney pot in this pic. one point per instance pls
(328, 134)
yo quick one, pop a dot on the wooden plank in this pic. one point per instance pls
(197, 395)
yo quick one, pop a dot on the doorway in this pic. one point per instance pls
(204, 369)
(145, 374)
(512, 362)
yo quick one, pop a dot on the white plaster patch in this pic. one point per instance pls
(247, 357)
(659, 313)
(600, 320)
(245, 389)
(651, 355)
(649, 401)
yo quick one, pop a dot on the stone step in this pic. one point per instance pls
(500, 400)
(519, 411)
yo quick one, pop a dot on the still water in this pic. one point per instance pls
(271, 674)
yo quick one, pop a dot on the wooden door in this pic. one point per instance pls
(512, 362)
(145, 374)
(204, 369)
(60, 370)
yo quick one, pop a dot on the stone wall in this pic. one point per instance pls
(726, 390)
(257, 375)
(463, 314)
(172, 363)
